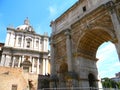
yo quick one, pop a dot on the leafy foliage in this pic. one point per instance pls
(109, 83)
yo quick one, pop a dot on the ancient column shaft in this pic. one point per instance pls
(3, 60)
(33, 63)
(13, 62)
(20, 58)
(52, 61)
(116, 25)
(44, 69)
(69, 50)
(38, 66)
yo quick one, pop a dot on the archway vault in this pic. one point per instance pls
(90, 41)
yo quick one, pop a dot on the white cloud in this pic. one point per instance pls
(53, 11)
(108, 60)
(105, 51)
(116, 64)
(57, 9)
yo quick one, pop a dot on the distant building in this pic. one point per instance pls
(25, 53)
(118, 74)
(117, 77)
(1, 50)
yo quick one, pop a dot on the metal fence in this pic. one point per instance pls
(79, 88)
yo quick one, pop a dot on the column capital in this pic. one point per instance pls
(67, 32)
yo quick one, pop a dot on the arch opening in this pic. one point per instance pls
(108, 60)
(90, 41)
(92, 80)
(87, 48)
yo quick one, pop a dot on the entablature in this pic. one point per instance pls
(67, 19)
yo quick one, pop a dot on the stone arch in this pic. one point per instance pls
(92, 80)
(90, 40)
(110, 32)
(63, 67)
(87, 32)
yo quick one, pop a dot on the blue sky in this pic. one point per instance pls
(108, 63)
(41, 13)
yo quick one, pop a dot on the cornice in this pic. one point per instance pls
(24, 50)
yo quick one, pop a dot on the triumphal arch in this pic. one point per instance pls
(76, 36)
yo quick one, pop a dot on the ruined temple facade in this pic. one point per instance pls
(24, 56)
(76, 36)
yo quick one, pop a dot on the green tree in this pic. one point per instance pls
(109, 83)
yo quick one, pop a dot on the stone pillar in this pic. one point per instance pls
(7, 38)
(20, 59)
(69, 50)
(38, 66)
(13, 61)
(43, 44)
(33, 43)
(38, 44)
(25, 43)
(3, 59)
(116, 25)
(17, 40)
(12, 39)
(47, 66)
(52, 61)
(22, 42)
(44, 69)
(8, 60)
(30, 59)
(33, 63)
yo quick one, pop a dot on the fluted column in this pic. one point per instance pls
(33, 43)
(20, 58)
(12, 39)
(25, 43)
(39, 45)
(52, 54)
(17, 40)
(44, 71)
(30, 59)
(13, 61)
(33, 63)
(8, 60)
(43, 44)
(3, 59)
(46, 66)
(116, 25)
(38, 66)
(22, 43)
(69, 50)
(7, 38)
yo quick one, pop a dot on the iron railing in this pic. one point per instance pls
(80, 88)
